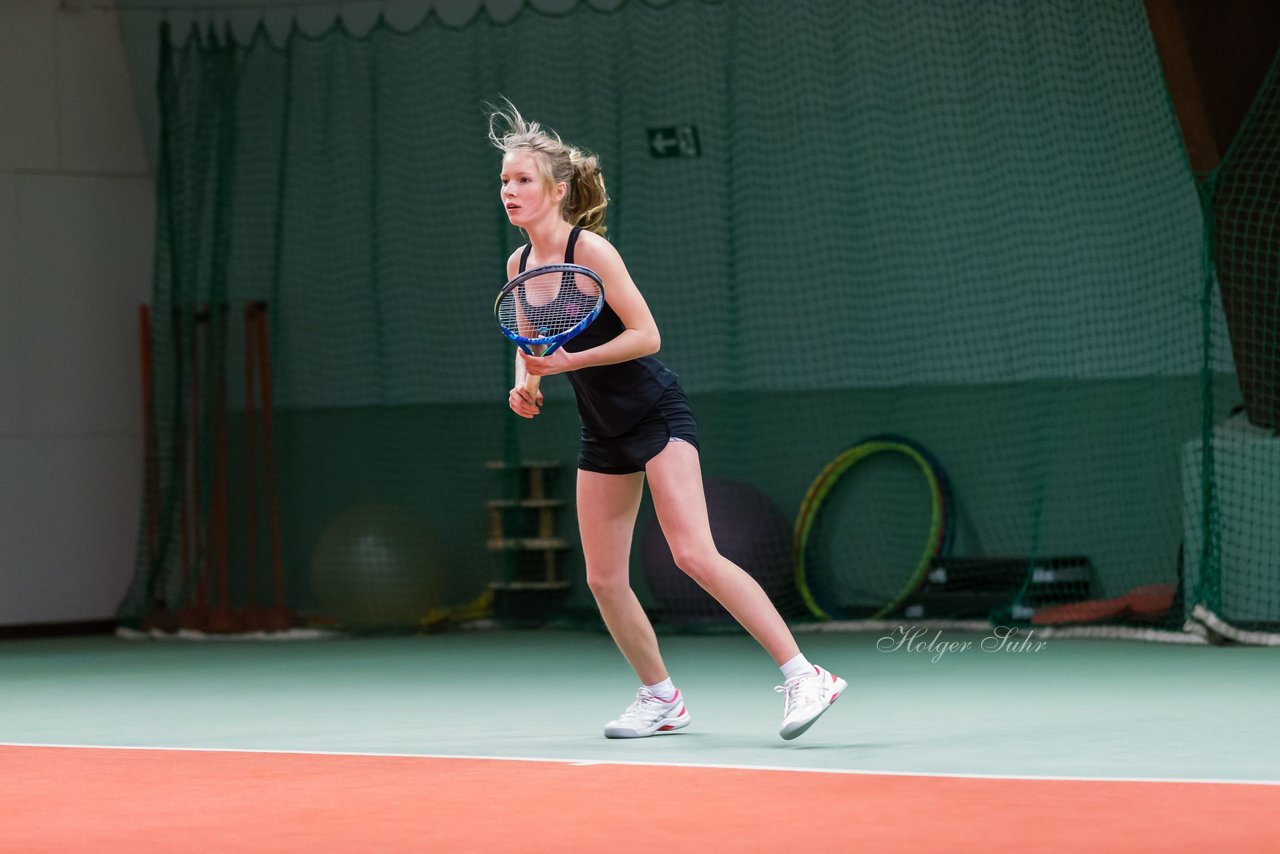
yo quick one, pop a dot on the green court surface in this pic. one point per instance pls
(1072, 708)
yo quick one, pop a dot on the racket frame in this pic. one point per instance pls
(547, 345)
(550, 342)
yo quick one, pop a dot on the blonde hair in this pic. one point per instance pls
(585, 199)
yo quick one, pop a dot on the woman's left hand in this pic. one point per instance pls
(545, 366)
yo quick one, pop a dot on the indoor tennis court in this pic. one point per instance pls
(969, 350)
(427, 744)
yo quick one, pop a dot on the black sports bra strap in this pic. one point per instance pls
(568, 250)
(573, 238)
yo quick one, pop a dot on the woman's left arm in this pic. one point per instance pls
(639, 336)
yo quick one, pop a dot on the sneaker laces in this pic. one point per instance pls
(647, 706)
(793, 690)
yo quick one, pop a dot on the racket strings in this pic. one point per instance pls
(548, 304)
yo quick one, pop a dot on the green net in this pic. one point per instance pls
(1234, 491)
(965, 232)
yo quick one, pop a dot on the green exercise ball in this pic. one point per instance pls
(376, 566)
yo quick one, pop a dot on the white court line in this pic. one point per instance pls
(586, 762)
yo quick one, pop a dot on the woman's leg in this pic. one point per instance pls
(607, 508)
(675, 482)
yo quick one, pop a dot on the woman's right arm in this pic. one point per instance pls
(518, 398)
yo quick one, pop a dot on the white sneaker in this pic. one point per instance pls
(807, 698)
(649, 715)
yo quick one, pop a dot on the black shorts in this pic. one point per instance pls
(671, 418)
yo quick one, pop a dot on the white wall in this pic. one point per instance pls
(76, 217)
(78, 124)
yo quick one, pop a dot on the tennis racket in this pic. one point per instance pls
(542, 308)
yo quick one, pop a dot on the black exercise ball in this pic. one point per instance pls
(748, 529)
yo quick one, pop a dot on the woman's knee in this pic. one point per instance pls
(699, 561)
(608, 582)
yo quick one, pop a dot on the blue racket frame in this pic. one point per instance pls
(551, 342)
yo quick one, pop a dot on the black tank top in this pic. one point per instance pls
(611, 398)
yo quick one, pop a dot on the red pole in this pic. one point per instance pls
(221, 618)
(282, 617)
(195, 615)
(251, 452)
(183, 454)
(200, 530)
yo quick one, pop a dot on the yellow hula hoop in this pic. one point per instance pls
(812, 506)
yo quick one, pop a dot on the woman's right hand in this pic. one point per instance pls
(522, 403)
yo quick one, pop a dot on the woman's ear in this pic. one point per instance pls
(561, 188)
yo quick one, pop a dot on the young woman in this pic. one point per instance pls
(636, 423)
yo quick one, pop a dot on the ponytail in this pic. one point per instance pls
(585, 203)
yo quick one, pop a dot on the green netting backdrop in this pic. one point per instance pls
(969, 225)
(1234, 519)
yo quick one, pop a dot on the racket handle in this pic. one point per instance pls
(531, 383)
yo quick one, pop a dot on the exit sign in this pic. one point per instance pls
(679, 141)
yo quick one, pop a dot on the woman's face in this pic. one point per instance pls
(525, 194)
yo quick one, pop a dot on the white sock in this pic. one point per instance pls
(798, 666)
(664, 690)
